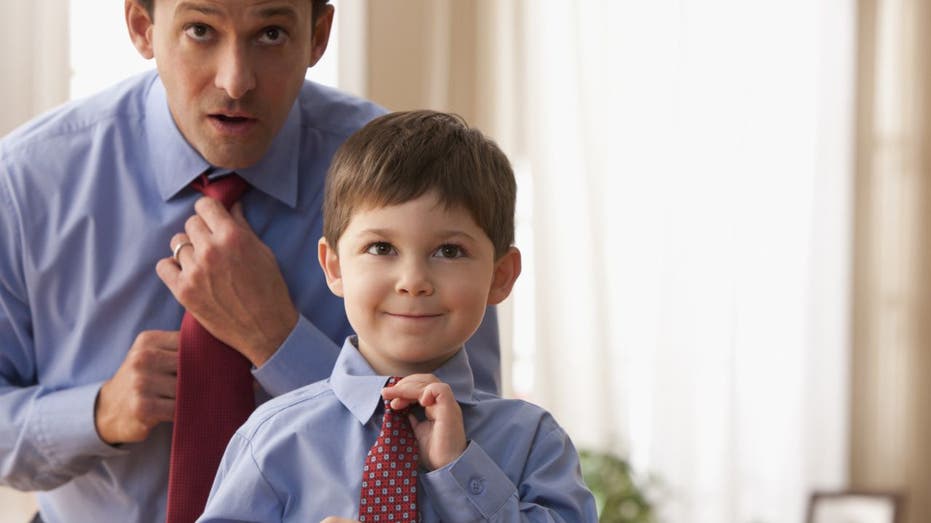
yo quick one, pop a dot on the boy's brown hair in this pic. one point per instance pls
(401, 156)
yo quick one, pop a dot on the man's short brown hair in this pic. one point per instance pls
(316, 8)
(401, 156)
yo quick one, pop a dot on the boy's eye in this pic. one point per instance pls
(449, 251)
(380, 249)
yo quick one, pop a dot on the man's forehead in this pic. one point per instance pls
(259, 8)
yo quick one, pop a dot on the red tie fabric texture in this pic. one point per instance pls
(214, 395)
(389, 477)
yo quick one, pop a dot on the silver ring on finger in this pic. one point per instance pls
(177, 251)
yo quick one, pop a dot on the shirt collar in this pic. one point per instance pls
(178, 162)
(358, 387)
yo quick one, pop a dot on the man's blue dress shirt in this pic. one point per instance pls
(90, 195)
(300, 456)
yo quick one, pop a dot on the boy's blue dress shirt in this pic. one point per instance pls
(90, 195)
(300, 456)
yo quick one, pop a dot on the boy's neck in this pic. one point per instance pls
(384, 366)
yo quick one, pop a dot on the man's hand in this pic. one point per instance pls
(230, 281)
(142, 392)
(441, 437)
(334, 519)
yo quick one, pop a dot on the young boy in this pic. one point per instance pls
(418, 232)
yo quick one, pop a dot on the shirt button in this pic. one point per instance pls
(477, 485)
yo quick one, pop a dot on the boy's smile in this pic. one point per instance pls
(416, 279)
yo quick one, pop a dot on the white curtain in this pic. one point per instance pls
(685, 207)
(690, 166)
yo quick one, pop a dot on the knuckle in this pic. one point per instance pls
(193, 221)
(144, 339)
(137, 408)
(138, 385)
(176, 239)
(147, 358)
(227, 236)
(145, 410)
(438, 388)
(201, 204)
(210, 252)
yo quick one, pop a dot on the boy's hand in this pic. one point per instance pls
(441, 437)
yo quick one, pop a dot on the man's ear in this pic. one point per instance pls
(139, 24)
(507, 269)
(321, 34)
(329, 262)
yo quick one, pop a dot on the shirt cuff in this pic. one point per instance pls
(307, 355)
(473, 487)
(65, 426)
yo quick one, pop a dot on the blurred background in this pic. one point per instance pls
(723, 214)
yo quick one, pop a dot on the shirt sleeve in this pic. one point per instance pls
(46, 437)
(474, 488)
(307, 355)
(240, 490)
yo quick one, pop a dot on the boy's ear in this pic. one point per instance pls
(507, 269)
(329, 262)
(139, 24)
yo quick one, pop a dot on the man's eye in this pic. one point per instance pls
(380, 249)
(198, 31)
(450, 251)
(272, 35)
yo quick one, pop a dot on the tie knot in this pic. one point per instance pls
(227, 189)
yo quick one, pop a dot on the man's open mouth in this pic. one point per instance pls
(230, 119)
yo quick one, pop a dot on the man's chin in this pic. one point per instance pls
(232, 157)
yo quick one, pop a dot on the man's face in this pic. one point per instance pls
(232, 69)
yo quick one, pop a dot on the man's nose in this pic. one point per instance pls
(235, 73)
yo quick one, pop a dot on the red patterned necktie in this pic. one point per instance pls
(389, 478)
(214, 395)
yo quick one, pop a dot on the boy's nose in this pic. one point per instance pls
(235, 74)
(414, 280)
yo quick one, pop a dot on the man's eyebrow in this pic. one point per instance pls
(200, 8)
(278, 10)
(265, 12)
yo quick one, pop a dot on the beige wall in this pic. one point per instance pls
(891, 375)
(442, 54)
(33, 59)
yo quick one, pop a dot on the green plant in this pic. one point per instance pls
(619, 497)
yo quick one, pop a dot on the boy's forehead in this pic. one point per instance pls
(429, 201)
(424, 213)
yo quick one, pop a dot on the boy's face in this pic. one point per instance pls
(416, 279)
(231, 68)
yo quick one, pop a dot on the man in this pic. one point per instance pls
(95, 195)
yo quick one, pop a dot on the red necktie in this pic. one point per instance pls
(214, 395)
(389, 478)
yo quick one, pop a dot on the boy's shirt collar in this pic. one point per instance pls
(358, 387)
(176, 163)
